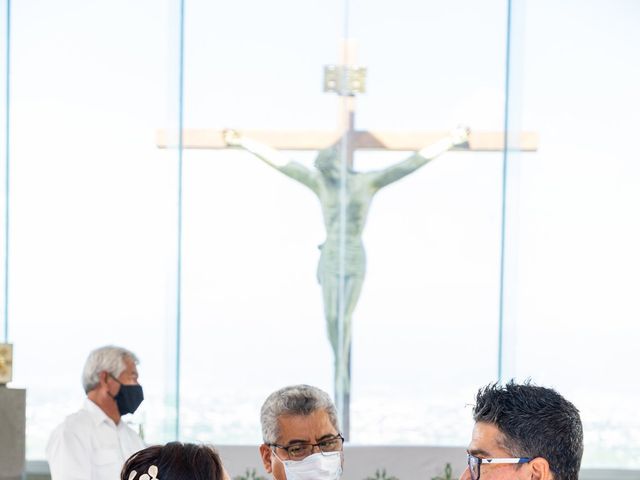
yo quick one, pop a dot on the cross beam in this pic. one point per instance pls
(313, 140)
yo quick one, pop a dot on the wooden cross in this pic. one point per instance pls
(204, 138)
(346, 80)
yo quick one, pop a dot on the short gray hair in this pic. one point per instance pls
(294, 400)
(108, 359)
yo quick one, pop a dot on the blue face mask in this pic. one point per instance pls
(128, 398)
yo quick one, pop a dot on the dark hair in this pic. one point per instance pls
(535, 422)
(176, 461)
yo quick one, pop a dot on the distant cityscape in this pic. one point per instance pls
(612, 435)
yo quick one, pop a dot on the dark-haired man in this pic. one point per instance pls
(524, 431)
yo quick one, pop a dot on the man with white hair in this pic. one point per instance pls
(301, 437)
(93, 443)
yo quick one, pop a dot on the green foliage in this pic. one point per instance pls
(446, 475)
(381, 475)
(249, 475)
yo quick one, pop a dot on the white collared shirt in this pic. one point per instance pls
(88, 445)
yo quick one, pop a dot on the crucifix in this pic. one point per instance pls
(345, 194)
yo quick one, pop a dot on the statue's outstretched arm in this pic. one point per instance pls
(401, 169)
(272, 157)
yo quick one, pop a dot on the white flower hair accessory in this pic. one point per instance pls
(152, 474)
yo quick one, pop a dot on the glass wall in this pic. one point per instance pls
(5, 35)
(89, 261)
(433, 237)
(204, 261)
(251, 296)
(574, 313)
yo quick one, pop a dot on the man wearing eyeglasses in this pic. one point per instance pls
(302, 440)
(523, 431)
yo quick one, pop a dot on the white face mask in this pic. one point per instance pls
(319, 466)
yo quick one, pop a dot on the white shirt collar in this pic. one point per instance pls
(97, 414)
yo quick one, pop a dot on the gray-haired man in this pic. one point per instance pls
(93, 444)
(301, 437)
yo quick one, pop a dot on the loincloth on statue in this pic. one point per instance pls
(354, 260)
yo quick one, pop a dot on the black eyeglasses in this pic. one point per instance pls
(300, 451)
(474, 463)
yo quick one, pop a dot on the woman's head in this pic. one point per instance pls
(174, 461)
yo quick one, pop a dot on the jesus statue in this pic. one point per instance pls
(342, 265)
